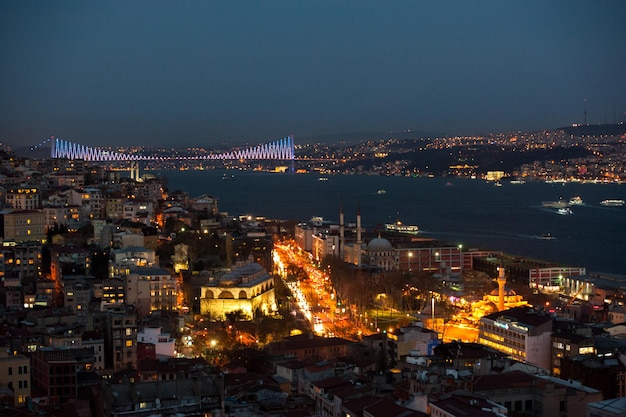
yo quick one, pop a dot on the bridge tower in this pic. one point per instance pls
(292, 152)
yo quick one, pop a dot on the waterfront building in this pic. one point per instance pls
(246, 287)
(430, 256)
(537, 274)
(522, 333)
(597, 288)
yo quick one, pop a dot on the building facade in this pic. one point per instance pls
(520, 332)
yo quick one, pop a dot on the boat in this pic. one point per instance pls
(564, 211)
(576, 201)
(322, 179)
(398, 226)
(612, 203)
(518, 181)
(381, 192)
(228, 177)
(547, 236)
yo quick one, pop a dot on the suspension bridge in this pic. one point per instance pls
(281, 149)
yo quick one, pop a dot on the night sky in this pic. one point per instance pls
(188, 72)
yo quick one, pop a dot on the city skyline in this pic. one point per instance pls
(235, 72)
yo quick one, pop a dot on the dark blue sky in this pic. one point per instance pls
(203, 72)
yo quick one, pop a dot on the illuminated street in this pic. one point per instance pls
(314, 298)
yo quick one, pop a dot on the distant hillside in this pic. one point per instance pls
(595, 130)
(357, 137)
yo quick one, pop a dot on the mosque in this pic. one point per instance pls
(246, 287)
(501, 298)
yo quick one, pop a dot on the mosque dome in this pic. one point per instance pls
(489, 308)
(379, 244)
(508, 292)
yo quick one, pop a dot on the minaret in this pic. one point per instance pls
(341, 230)
(358, 232)
(501, 290)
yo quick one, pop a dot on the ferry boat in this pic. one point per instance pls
(576, 200)
(398, 226)
(612, 203)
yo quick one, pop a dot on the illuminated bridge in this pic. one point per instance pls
(282, 149)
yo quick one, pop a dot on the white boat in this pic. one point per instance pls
(564, 211)
(576, 201)
(322, 179)
(612, 203)
(381, 192)
(398, 226)
(547, 236)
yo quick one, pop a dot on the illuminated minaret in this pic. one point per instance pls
(501, 290)
(341, 229)
(358, 232)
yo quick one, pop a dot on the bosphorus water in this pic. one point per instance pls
(474, 213)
